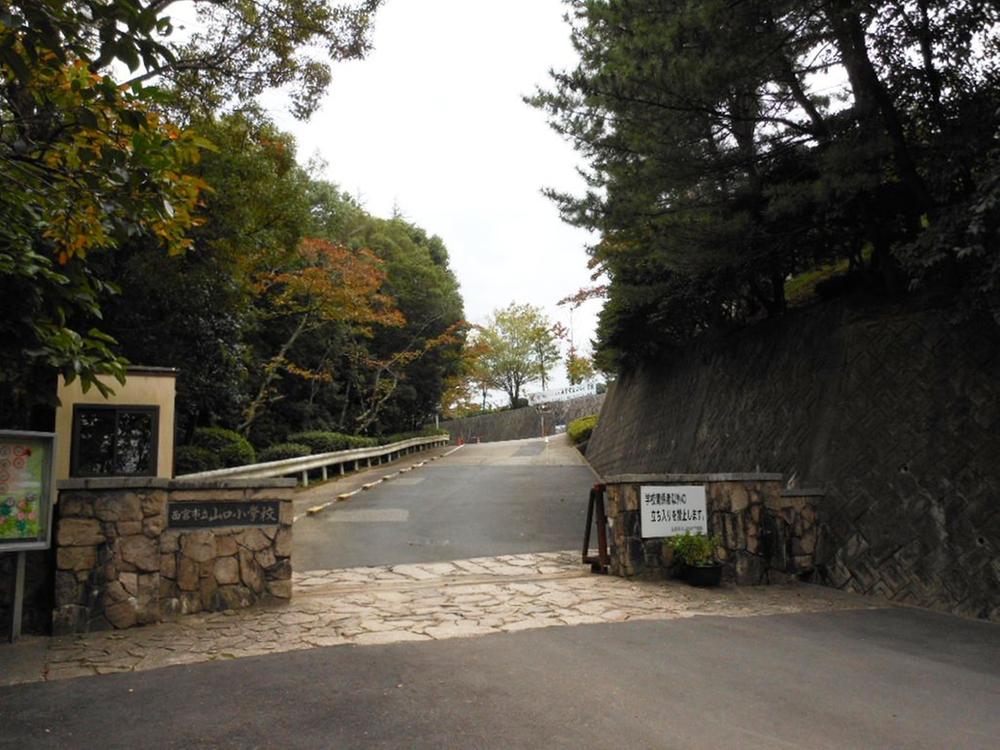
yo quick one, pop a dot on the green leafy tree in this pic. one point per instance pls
(86, 165)
(241, 49)
(719, 166)
(278, 295)
(518, 343)
(579, 368)
(92, 158)
(394, 379)
(237, 50)
(196, 311)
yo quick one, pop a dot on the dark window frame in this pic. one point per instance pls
(152, 410)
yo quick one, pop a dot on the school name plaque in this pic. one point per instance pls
(208, 515)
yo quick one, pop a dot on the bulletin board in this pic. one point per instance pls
(27, 489)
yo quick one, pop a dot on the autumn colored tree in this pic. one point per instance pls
(100, 104)
(204, 312)
(85, 165)
(324, 283)
(579, 368)
(467, 388)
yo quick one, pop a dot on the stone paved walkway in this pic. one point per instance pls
(390, 604)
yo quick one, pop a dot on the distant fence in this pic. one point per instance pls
(517, 424)
(301, 466)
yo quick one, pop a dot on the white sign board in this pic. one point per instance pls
(563, 394)
(672, 510)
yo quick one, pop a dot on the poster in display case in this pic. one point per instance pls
(27, 489)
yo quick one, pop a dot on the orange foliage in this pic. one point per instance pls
(332, 283)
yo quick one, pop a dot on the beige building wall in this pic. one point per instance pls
(144, 386)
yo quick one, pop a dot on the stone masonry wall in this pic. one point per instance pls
(763, 535)
(894, 413)
(518, 424)
(119, 564)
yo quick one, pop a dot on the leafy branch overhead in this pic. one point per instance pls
(86, 166)
(209, 53)
(151, 213)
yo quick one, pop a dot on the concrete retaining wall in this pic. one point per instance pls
(894, 413)
(518, 424)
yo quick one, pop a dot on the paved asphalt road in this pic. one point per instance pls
(892, 678)
(483, 500)
(883, 678)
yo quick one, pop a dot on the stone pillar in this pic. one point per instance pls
(135, 551)
(792, 523)
(739, 509)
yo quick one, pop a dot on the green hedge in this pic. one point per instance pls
(190, 459)
(283, 450)
(400, 436)
(327, 442)
(580, 429)
(231, 448)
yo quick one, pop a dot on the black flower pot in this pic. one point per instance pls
(704, 575)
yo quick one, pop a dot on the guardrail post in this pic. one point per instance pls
(305, 478)
(325, 477)
(341, 466)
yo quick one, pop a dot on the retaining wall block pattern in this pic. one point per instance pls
(895, 413)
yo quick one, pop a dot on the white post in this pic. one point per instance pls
(325, 477)
(305, 478)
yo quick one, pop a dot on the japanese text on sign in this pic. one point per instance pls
(672, 511)
(208, 514)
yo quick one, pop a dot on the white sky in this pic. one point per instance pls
(432, 122)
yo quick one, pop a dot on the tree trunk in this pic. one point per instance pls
(260, 401)
(871, 97)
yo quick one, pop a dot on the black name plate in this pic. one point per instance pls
(213, 514)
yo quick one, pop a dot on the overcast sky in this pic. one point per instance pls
(432, 122)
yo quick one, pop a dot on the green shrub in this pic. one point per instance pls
(328, 442)
(190, 459)
(580, 429)
(321, 442)
(231, 448)
(400, 436)
(283, 450)
(694, 549)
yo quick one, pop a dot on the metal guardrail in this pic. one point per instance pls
(302, 465)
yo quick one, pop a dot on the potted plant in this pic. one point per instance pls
(697, 554)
